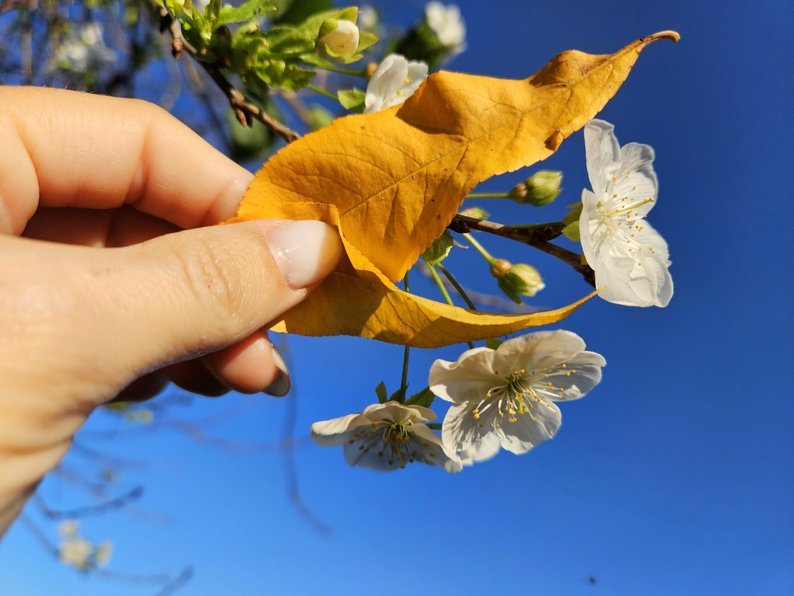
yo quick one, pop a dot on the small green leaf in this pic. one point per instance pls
(439, 250)
(366, 40)
(571, 231)
(380, 391)
(351, 98)
(493, 343)
(399, 395)
(424, 398)
(573, 214)
(245, 12)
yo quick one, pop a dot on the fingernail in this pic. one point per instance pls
(282, 383)
(305, 251)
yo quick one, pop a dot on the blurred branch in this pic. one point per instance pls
(99, 509)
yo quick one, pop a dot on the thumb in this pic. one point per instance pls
(183, 295)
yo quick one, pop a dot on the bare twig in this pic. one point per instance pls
(536, 236)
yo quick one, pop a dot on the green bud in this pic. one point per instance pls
(520, 280)
(539, 189)
(475, 212)
(500, 267)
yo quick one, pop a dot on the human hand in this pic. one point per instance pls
(101, 291)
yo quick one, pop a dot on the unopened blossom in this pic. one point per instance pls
(76, 552)
(102, 554)
(629, 257)
(386, 437)
(447, 23)
(394, 81)
(69, 528)
(504, 398)
(338, 37)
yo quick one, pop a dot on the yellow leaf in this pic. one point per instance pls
(392, 181)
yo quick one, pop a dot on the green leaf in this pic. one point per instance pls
(399, 395)
(573, 214)
(439, 250)
(351, 98)
(571, 231)
(366, 40)
(285, 41)
(424, 398)
(300, 10)
(245, 12)
(380, 391)
(493, 343)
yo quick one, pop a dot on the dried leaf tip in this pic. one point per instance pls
(669, 34)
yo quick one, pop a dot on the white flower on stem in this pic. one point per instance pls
(76, 552)
(629, 257)
(505, 397)
(394, 81)
(386, 437)
(84, 50)
(447, 23)
(339, 38)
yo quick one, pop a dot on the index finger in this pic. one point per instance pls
(70, 149)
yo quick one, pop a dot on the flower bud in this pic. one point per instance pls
(338, 38)
(520, 280)
(475, 212)
(500, 267)
(539, 189)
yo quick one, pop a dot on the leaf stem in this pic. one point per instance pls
(322, 91)
(443, 289)
(478, 247)
(348, 71)
(458, 288)
(488, 195)
(406, 356)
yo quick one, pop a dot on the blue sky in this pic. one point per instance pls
(674, 476)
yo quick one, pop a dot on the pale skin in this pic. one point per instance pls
(102, 293)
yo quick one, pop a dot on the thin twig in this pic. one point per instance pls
(535, 236)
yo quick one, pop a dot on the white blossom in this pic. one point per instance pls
(629, 257)
(394, 81)
(447, 23)
(76, 552)
(83, 51)
(505, 397)
(386, 437)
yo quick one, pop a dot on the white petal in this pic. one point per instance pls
(635, 181)
(335, 431)
(467, 379)
(385, 82)
(602, 152)
(589, 226)
(580, 375)
(369, 451)
(538, 350)
(397, 412)
(433, 451)
(476, 440)
(531, 429)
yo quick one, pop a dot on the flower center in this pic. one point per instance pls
(513, 399)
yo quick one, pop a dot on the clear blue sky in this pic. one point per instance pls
(674, 476)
